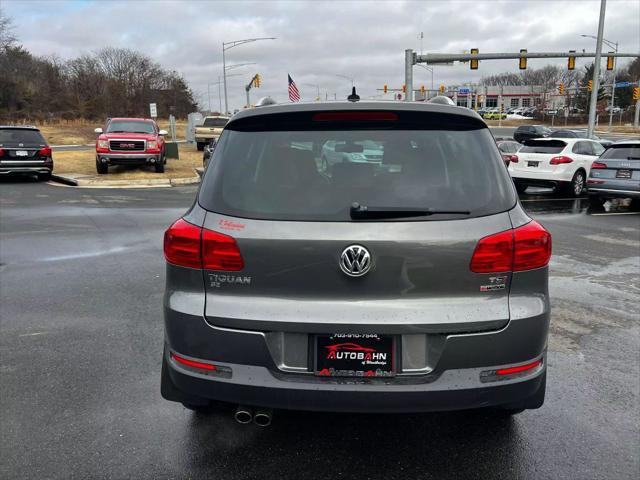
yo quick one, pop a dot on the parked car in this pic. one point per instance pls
(130, 141)
(208, 151)
(528, 132)
(508, 150)
(358, 152)
(579, 133)
(529, 112)
(495, 114)
(211, 128)
(416, 284)
(616, 173)
(563, 163)
(24, 151)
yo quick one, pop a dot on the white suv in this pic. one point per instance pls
(558, 162)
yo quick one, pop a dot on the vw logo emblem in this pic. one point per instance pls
(355, 260)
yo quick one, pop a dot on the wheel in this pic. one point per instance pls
(44, 177)
(200, 146)
(521, 187)
(159, 166)
(575, 187)
(102, 168)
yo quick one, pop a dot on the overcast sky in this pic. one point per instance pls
(317, 40)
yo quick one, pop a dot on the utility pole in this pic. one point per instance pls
(408, 74)
(596, 71)
(636, 117)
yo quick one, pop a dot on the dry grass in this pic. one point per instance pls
(80, 132)
(84, 163)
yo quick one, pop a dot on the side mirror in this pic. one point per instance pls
(163, 132)
(98, 130)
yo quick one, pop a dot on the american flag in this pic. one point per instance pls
(294, 94)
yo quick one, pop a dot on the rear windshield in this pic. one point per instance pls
(543, 146)
(563, 134)
(130, 126)
(10, 136)
(215, 122)
(303, 173)
(627, 152)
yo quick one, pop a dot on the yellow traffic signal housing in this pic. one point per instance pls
(571, 64)
(441, 88)
(523, 60)
(404, 89)
(561, 88)
(257, 80)
(474, 63)
(385, 88)
(590, 85)
(636, 93)
(610, 62)
(422, 89)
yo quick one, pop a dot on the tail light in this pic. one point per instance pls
(1, 152)
(598, 165)
(514, 159)
(45, 152)
(187, 245)
(524, 248)
(560, 160)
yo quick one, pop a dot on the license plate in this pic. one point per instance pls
(532, 164)
(623, 174)
(22, 153)
(355, 355)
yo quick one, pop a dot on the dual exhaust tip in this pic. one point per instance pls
(246, 415)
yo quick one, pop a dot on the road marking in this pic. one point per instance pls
(554, 199)
(83, 255)
(614, 241)
(32, 334)
(614, 213)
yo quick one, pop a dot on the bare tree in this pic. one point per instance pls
(7, 38)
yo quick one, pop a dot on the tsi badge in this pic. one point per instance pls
(355, 260)
(495, 283)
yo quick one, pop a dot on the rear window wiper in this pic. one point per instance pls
(362, 212)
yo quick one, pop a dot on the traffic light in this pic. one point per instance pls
(636, 93)
(590, 85)
(571, 65)
(441, 88)
(474, 63)
(385, 88)
(610, 62)
(256, 80)
(422, 89)
(523, 60)
(561, 88)
(404, 89)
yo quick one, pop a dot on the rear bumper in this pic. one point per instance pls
(258, 387)
(26, 169)
(541, 178)
(128, 159)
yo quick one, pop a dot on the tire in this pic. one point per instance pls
(159, 166)
(44, 177)
(521, 187)
(200, 146)
(576, 186)
(102, 168)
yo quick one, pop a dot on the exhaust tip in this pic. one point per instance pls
(243, 415)
(262, 418)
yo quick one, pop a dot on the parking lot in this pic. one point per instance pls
(81, 308)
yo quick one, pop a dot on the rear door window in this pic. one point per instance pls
(281, 174)
(543, 146)
(16, 136)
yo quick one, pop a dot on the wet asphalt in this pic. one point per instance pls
(81, 281)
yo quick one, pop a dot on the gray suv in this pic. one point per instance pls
(413, 283)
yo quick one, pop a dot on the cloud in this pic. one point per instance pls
(316, 41)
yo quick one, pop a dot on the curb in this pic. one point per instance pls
(73, 181)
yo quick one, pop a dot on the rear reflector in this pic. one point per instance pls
(355, 117)
(193, 363)
(594, 182)
(524, 248)
(187, 245)
(598, 165)
(521, 368)
(560, 160)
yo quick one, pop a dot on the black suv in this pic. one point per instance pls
(528, 132)
(23, 150)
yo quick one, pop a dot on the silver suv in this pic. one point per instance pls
(412, 283)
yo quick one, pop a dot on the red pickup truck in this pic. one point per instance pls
(130, 141)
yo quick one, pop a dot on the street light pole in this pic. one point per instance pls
(613, 86)
(226, 46)
(596, 71)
